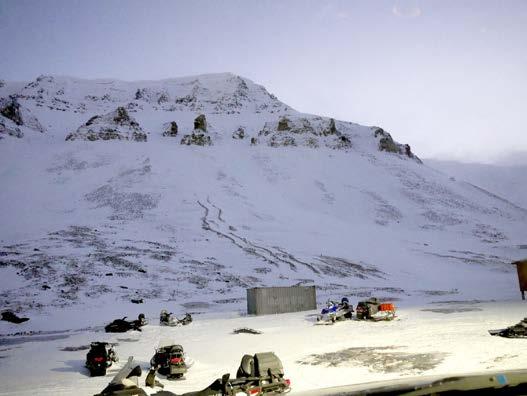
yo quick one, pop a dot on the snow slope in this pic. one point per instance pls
(508, 181)
(89, 225)
(170, 222)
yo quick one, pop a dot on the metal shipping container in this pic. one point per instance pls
(521, 266)
(274, 300)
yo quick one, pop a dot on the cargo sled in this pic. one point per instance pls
(373, 309)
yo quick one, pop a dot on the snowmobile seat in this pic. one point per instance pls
(175, 349)
(267, 364)
(246, 368)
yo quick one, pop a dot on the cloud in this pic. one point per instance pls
(406, 9)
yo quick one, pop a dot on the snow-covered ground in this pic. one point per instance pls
(439, 339)
(296, 199)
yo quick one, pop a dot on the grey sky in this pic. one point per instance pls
(447, 77)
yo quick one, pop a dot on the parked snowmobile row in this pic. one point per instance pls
(370, 309)
(169, 319)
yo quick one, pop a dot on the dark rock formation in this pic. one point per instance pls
(11, 110)
(196, 138)
(117, 125)
(304, 131)
(171, 129)
(201, 123)
(239, 133)
(283, 124)
(8, 127)
(386, 143)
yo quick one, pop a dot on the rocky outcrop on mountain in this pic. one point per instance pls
(197, 138)
(304, 131)
(153, 96)
(239, 133)
(386, 143)
(117, 125)
(200, 122)
(9, 128)
(18, 114)
(170, 129)
(199, 135)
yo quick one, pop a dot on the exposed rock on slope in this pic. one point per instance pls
(8, 127)
(386, 143)
(117, 125)
(239, 133)
(20, 115)
(303, 131)
(201, 123)
(170, 129)
(199, 136)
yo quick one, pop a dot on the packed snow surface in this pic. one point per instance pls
(259, 195)
(440, 339)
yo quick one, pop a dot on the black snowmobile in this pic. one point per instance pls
(261, 374)
(123, 325)
(519, 330)
(100, 356)
(169, 360)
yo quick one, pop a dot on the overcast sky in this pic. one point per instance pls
(449, 77)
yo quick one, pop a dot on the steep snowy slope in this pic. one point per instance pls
(507, 181)
(277, 198)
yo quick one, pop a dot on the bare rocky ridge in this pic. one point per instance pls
(386, 143)
(117, 125)
(20, 115)
(273, 123)
(304, 131)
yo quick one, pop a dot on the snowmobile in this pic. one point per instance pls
(519, 330)
(100, 356)
(169, 360)
(333, 312)
(125, 382)
(258, 375)
(373, 309)
(123, 325)
(169, 319)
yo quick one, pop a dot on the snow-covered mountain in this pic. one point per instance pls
(188, 191)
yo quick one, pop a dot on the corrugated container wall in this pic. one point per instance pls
(274, 300)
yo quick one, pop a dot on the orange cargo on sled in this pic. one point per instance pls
(387, 307)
